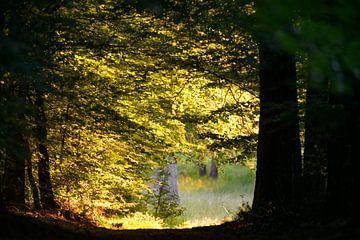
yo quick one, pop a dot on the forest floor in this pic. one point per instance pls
(22, 227)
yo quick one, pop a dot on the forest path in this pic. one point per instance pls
(27, 228)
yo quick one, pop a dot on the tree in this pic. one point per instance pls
(33, 185)
(25, 35)
(45, 185)
(213, 170)
(13, 190)
(14, 129)
(315, 144)
(278, 152)
(327, 40)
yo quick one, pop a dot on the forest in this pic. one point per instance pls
(107, 105)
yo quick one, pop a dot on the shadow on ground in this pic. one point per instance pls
(21, 227)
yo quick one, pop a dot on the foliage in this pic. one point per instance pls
(123, 87)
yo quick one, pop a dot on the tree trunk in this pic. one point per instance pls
(343, 151)
(173, 181)
(166, 186)
(46, 192)
(315, 147)
(202, 170)
(45, 186)
(213, 170)
(339, 163)
(354, 155)
(33, 186)
(278, 153)
(17, 152)
(2, 168)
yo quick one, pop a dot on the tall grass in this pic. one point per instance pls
(208, 201)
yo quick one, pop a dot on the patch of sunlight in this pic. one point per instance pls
(190, 184)
(203, 222)
(212, 202)
(137, 220)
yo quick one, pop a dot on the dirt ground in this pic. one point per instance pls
(29, 228)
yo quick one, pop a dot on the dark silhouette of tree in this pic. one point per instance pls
(213, 170)
(314, 178)
(202, 169)
(24, 56)
(332, 110)
(278, 152)
(45, 186)
(33, 185)
(14, 171)
(342, 153)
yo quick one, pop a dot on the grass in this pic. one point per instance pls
(205, 201)
(208, 201)
(137, 220)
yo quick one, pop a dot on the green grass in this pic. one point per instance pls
(207, 201)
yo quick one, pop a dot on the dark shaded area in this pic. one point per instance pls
(278, 152)
(29, 228)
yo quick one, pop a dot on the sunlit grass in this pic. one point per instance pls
(206, 201)
(210, 202)
(137, 220)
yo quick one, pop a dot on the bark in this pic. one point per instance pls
(46, 192)
(315, 147)
(2, 164)
(339, 163)
(2, 156)
(278, 152)
(173, 182)
(33, 186)
(45, 186)
(2, 204)
(213, 170)
(343, 153)
(354, 155)
(2, 21)
(17, 152)
(167, 186)
(202, 169)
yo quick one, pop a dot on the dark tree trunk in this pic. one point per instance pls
(2, 157)
(354, 155)
(343, 151)
(17, 152)
(202, 170)
(213, 170)
(33, 186)
(278, 154)
(46, 192)
(315, 147)
(2, 204)
(354, 143)
(339, 163)
(45, 186)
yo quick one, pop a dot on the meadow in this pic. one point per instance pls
(205, 201)
(208, 201)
